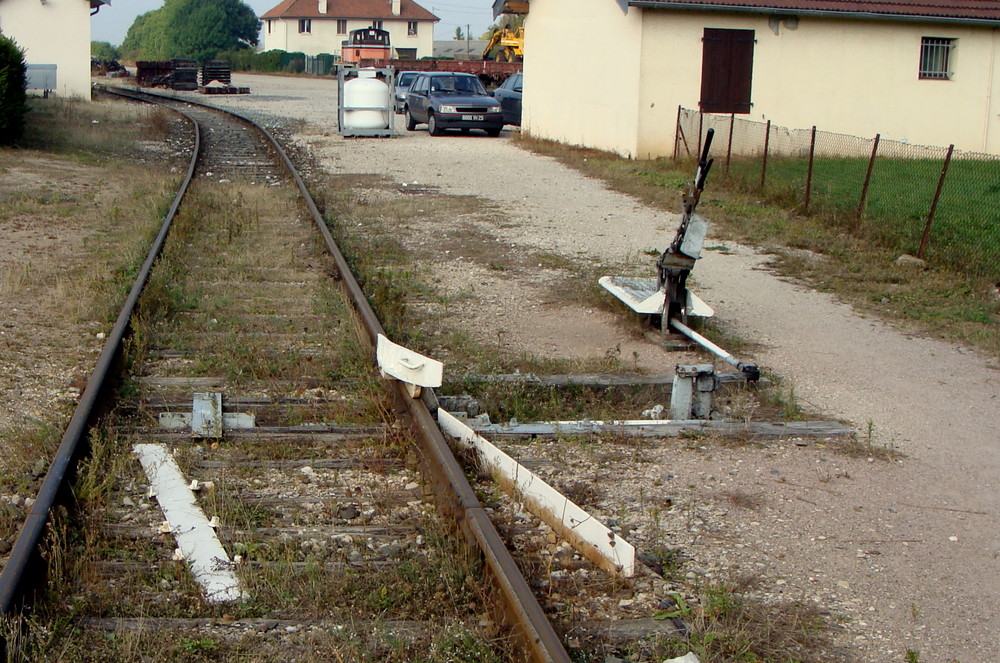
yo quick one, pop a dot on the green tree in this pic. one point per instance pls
(13, 91)
(103, 50)
(513, 21)
(459, 35)
(146, 38)
(195, 29)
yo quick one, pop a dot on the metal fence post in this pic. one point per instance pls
(934, 204)
(868, 179)
(767, 140)
(809, 171)
(701, 125)
(677, 132)
(729, 148)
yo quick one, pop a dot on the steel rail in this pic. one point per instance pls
(24, 565)
(520, 608)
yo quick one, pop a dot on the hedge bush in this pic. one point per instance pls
(273, 61)
(13, 95)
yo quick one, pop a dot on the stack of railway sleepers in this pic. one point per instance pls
(217, 70)
(150, 73)
(216, 78)
(185, 75)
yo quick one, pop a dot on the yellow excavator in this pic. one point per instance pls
(510, 42)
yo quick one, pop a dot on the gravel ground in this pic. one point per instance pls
(906, 551)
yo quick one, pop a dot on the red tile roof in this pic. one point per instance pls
(936, 10)
(350, 9)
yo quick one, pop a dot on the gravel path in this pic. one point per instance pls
(909, 550)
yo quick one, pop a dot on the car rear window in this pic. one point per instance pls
(459, 84)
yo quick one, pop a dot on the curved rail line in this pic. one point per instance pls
(455, 496)
(23, 566)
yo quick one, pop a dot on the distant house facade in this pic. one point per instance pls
(925, 73)
(54, 32)
(321, 26)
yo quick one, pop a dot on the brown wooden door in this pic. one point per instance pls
(726, 70)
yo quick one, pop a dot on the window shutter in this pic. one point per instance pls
(726, 70)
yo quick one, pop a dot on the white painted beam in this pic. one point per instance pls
(196, 538)
(587, 534)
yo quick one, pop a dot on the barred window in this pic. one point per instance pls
(935, 57)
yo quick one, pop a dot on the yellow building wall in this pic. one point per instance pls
(55, 32)
(844, 76)
(581, 74)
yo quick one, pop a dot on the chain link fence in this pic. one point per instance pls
(937, 203)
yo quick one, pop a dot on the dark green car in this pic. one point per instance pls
(448, 100)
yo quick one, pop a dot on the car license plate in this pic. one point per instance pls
(472, 118)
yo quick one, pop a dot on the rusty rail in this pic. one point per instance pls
(24, 566)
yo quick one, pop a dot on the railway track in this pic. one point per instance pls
(322, 499)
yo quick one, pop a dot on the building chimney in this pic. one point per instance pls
(322, 6)
(395, 7)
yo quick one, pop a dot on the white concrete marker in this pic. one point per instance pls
(196, 539)
(408, 366)
(587, 534)
(206, 414)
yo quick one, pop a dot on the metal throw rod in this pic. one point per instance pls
(751, 371)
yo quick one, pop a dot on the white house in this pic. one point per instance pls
(320, 26)
(54, 32)
(610, 74)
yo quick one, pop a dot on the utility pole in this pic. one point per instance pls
(468, 38)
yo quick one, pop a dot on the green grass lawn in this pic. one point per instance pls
(965, 234)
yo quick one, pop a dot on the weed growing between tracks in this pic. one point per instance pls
(343, 606)
(357, 597)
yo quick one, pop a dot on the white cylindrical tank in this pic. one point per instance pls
(366, 102)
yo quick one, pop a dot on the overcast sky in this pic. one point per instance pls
(111, 23)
